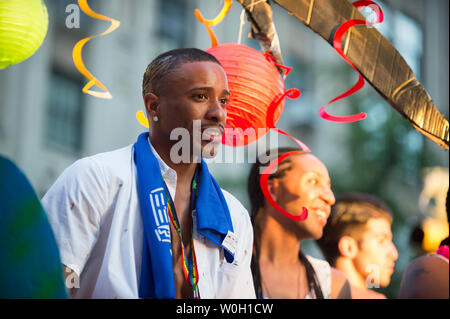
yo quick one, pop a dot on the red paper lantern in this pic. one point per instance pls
(256, 103)
(255, 85)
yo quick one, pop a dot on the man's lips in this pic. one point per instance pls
(391, 267)
(322, 213)
(212, 133)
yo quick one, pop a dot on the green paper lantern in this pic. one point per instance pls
(23, 26)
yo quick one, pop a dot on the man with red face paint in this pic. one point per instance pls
(280, 270)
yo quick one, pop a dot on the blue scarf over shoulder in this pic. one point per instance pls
(213, 221)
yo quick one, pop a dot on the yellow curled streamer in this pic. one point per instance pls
(142, 119)
(76, 53)
(226, 7)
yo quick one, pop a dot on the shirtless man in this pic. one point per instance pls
(358, 241)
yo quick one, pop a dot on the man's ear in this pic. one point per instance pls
(272, 185)
(151, 101)
(348, 247)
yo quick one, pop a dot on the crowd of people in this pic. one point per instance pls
(134, 223)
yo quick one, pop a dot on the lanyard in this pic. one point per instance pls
(190, 269)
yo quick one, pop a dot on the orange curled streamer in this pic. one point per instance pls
(76, 53)
(226, 7)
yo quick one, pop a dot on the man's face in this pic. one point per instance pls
(195, 91)
(306, 184)
(377, 253)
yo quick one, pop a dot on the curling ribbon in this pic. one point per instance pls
(264, 179)
(286, 69)
(337, 44)
(226, 7)
(76, 53)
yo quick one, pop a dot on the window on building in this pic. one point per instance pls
(64, 114)
(171, 27)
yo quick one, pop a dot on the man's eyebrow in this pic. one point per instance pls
(208, 88)
(380, 234)
(202, 88)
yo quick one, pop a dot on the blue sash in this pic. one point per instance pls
(213, 221)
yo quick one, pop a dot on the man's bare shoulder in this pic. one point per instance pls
(341, 282)
(358, 293)
(430, 262)
(426, 277)
(340, 286)
(338, 278)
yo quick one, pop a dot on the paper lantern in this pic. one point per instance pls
(23, 26)
(255, 85)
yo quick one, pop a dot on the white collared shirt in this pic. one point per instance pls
(94, 211)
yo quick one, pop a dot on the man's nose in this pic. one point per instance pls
(394, 251)
(328, 196)
(217, 112)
